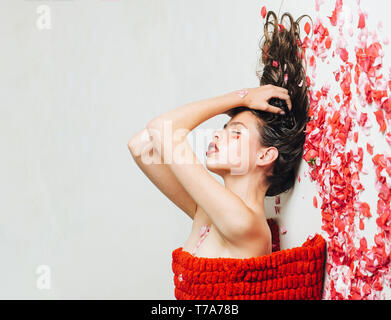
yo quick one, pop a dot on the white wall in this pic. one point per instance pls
(71, 97)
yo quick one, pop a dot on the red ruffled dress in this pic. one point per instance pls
(292, 274)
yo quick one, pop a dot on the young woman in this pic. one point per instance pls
(257, 153)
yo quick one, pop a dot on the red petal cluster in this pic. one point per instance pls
(355, 270)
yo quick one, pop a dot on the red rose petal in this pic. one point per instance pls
(380, 120)
(328, 43)
(361, 21)
(355, 137)
(370, 149)
(263, 12)
(337, 170)
(307, 28)
(365, 209)
(344, 55)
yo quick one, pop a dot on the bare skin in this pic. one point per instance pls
(235, 212)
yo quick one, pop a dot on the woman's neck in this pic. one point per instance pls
(249, 189)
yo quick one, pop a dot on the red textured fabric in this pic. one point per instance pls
(292, 274)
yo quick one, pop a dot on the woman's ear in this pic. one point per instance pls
(267, 156)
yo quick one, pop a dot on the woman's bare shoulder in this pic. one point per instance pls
(257, 242)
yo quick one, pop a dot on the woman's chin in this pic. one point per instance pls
(214, 166)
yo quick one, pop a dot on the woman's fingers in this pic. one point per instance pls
(283, 90)
(259, 98)
(287, 98)
(283, 95)
(272, 109)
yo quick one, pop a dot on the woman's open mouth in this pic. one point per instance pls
(212, 148)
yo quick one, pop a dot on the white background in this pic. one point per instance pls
(72, 197)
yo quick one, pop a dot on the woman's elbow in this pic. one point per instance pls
(138, 142)
(132, 146)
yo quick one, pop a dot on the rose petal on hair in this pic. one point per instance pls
(263, 12)
(275, 64)
(307, 28)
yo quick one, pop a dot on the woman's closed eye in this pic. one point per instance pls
(235, 131)
(235, 134)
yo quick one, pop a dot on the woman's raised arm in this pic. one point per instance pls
(160, 174)
(227, 211)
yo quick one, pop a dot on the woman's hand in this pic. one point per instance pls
(257, 98)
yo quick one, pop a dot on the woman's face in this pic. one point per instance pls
(238, 145)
